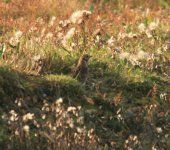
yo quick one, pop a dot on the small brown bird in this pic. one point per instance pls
(81, 71)
(152, 93)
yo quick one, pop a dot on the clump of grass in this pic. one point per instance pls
(14, 84)
(11, 82)
(65, 84)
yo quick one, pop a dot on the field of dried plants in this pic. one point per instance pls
(124, 103)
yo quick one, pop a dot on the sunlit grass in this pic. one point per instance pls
(127, 90)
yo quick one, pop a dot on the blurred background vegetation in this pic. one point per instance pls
(124, 105)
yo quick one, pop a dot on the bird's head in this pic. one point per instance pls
(86, 57)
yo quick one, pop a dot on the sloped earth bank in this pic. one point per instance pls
(56, 111)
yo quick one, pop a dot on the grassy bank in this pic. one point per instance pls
(125, 101)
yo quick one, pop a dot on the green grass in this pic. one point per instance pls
(115, 102)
